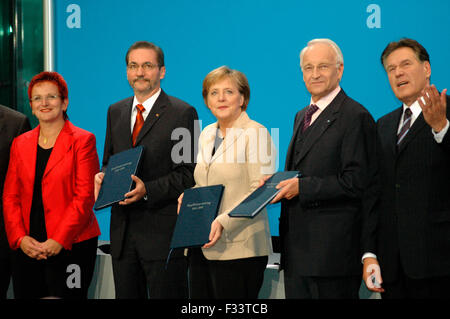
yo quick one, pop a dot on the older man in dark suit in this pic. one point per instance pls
(413, 234)
(142, 225)
(322, 219)
(12, 124)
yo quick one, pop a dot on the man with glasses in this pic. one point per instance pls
(12, 124)
(322, 220)
(142, 224)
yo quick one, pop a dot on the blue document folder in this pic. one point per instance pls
(197, 212)
(261, 197)
(117, 181)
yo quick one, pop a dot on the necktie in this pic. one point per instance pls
(139, 122)
(309, 113)
(405, 127)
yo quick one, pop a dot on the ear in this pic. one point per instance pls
(162, 72)
(427, 69)
(340, 70)
(65, 104)
(241, 101)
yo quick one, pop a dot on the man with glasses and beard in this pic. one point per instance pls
(142, 224)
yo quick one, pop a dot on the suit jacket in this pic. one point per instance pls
(321, 230)
(151, 222)
(414, 207)
(67, 187)
(12, 124)
(244, 156)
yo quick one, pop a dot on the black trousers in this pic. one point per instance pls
(225, 279)
(138, 278)
(301, 287)
(405, 287)
(5, 270)
(66, 275)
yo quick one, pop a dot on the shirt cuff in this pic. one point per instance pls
(368, 255)
(438, 137)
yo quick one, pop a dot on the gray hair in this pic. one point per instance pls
(337, 50)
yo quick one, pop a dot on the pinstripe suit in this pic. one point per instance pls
(414, 207)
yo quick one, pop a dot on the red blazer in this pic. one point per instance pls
(67, 187)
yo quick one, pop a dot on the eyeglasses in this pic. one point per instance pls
(323, 67)
(147, 66)
(38, 98)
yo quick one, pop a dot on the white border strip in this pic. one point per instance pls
(49, 60)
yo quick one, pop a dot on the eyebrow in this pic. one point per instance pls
(402, 61)
(226, 88)
(133, 62)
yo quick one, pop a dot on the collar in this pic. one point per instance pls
(326, 100)
(415, 109)
(148, 104)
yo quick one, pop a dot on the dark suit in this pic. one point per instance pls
(12, 124)
(414, 207)
(321, 229)
(147, 225)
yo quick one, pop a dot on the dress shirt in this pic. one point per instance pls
(416, 110)
(323, 102)
(148, 104)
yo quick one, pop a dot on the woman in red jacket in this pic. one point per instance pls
(48, 199)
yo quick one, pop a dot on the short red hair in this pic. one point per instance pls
(53, 77)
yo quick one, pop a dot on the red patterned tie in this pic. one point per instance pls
(308, 115)
(139, 122)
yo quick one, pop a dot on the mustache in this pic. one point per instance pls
(140, 78)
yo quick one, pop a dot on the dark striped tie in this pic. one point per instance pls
(308, 115)
(405, 127)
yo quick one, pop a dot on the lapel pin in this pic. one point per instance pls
(157, 114)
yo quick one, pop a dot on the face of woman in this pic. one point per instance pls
(46, 103)
(225, 101)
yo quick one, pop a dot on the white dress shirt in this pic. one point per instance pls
(416, 110)
(324, 102)
(148, 104)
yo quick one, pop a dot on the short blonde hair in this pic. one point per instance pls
(236, 76)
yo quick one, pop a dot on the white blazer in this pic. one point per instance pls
(246, 154)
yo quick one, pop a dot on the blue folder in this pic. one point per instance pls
(197, 212)
(117, 181)
(261, 197)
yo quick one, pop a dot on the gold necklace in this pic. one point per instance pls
(44, 139)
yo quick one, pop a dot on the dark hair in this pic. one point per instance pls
(55, 78)
(147, 45)
(419, 50)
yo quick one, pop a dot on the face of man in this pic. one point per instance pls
(144, 73)
(407, 75)
(321, 73)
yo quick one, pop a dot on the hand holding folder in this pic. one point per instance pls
(197, 210)
(262, 196)
(115, 185)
